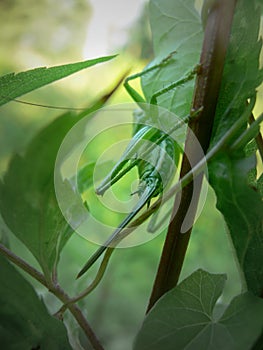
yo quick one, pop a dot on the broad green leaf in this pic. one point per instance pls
(14, 85)
(28, 202)
(176, 26)
(24, 320)
(242, 208)
(230, 172)
(27, 196)
(185, 318)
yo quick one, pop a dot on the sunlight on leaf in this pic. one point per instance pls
(14, 85)
(176, 26)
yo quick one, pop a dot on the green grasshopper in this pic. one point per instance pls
(162, 156)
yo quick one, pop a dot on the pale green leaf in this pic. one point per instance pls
(176, 26)
(14, 85)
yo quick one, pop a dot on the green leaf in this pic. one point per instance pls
(13, 85)
(185, 318)
(24, 320)
(230, 172)
(27, 196)
(176, 26)
(241, 74)
(242, 208)
(260, 185)
(4, 239)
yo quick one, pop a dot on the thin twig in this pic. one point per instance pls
(225, 143)
(78, 315)
(57, 291)
(93, 284)
(23, 265)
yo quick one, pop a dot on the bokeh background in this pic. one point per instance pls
(46, 33)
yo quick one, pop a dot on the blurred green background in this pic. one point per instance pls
(46, 33)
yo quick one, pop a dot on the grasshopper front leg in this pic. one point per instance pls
(154, 177)
(114, 236)
(141, 132)
(150, 181)
(136, 145)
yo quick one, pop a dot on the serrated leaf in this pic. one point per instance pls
(24, 320)
(230, 172)
(176, 26)
(28, 202)
(184, 318)
(14, 85)
(27, 196)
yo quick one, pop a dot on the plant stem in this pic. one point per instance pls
(78, 315)
(93, 284)
(224, 144)
(57, 291)
(207, 89)
(23, 265)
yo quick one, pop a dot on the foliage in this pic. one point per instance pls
(188, 315)
(25, 321)
(30, 208)
(229, 171)
(175, 27)
(228, 174)
(14, 85)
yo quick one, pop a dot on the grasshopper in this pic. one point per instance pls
(162, 156)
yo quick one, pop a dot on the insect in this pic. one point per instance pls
(162, 155)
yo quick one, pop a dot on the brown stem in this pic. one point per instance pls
(57, 291)
(23, 265)
(79, 317)
(207, 89)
